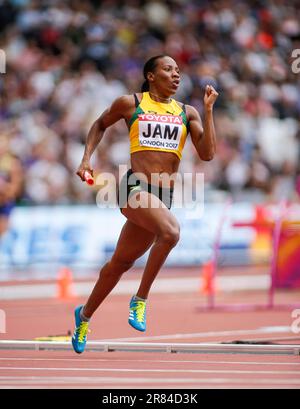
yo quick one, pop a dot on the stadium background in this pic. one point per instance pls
(67, 61)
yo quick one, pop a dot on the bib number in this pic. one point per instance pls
(160, 131)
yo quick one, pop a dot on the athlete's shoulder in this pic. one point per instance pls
(124, 100)
(192, 112)
(138, 94)
(181, 105)
(122, 105)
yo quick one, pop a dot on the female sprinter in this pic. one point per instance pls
(152, 155)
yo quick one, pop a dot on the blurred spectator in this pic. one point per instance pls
(10, 180)
(67, 61)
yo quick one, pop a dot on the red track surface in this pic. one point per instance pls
(171, 318)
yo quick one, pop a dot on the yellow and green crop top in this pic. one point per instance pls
(158, 126)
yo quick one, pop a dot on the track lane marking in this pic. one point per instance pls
(129, 370)
(150, 361)
(139, 380)
(262, 330)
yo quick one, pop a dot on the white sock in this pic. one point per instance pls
(83, 317)
(136, 298)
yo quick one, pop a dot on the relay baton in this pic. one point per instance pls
(88, 178)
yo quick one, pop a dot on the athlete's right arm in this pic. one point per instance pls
(118, 110)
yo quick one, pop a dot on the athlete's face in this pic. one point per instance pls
(166, 76)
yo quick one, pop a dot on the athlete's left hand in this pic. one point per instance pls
(210, 96)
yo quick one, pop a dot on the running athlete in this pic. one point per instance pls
(10, 182)
(158, 127)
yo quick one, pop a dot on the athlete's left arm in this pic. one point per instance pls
(204, 136)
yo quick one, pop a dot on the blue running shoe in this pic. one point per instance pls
(80, 333)
(137, 314)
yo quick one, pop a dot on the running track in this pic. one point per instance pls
(171, 317)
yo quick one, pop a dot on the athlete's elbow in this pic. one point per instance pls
(102, 123)
(207, 156)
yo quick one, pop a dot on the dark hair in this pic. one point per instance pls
(150, 67)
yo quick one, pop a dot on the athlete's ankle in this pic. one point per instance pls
(83, 317)
(137, 298)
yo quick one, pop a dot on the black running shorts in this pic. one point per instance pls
(130, 184)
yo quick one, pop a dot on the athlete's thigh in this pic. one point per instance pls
(154, 218)
(133, 242)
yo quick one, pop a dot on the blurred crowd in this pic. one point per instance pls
(67, 61)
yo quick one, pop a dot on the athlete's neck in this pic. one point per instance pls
(159, 99)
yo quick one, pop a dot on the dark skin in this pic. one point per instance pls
(147, 226)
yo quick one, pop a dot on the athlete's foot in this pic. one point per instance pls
(137, 314)
(80, 333)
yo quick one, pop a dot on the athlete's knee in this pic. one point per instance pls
(170, 234)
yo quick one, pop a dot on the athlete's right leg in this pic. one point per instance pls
(133, 242)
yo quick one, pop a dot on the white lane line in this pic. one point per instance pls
(157, 381)
(151, 361)
(208, 348)
(129, 370)
(262, 330)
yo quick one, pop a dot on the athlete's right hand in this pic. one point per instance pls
(83, 167)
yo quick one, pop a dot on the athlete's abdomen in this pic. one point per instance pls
(153, 164)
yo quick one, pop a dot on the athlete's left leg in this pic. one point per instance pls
(133, 242)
